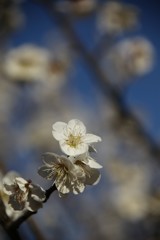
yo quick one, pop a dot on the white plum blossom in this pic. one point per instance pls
(7, 178)
(132, 57)
(116, 17)
(64, 174)
(24, 195)
(72, 137)
(70, 174)
(26, 63)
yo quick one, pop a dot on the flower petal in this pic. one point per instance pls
(8, 188)
(76, 127)
(78, 187)
(33, 205)
(93, 177)
(46, 172)
(9, 177)
(37, 193)
(73, 151)
(58, 130)
(21, 182)
(16, 205)
(91, 138)
(50, 158)
(93, 164)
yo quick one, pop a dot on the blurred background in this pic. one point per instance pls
(97, 61)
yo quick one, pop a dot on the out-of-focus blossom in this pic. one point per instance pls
(26, 63)
(72, 137)
(24, 195)
(78, 7)
(70, 174)
(116, 17)
(129, 192)
(132, 57)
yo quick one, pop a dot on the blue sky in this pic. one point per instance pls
(142, 94)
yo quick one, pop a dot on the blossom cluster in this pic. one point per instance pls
(71, 173)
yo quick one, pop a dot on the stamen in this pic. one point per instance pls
(73, 141)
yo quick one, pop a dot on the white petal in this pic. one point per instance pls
(50, 158)
(93, 164)
(71, 151)
(38, 193)
(91, 138)
(78, 188)
(33, 205)
(58, 130)
(18, 206)
(76, 127)
(9, 177)
(94, 177)
(67, 162)
(47, 172)
(20, 180)
(63, 189)
(21, 183)
(8, 188)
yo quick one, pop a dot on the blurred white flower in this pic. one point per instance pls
(130, 203)
(26, 63)
(132, 57)
(24, 195)
(78, 7)
(129, 194)
(116, 17)
(70, 174)
(72, 137)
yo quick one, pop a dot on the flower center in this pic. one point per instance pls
(20, 196)
(26, 62)
(73, 141)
